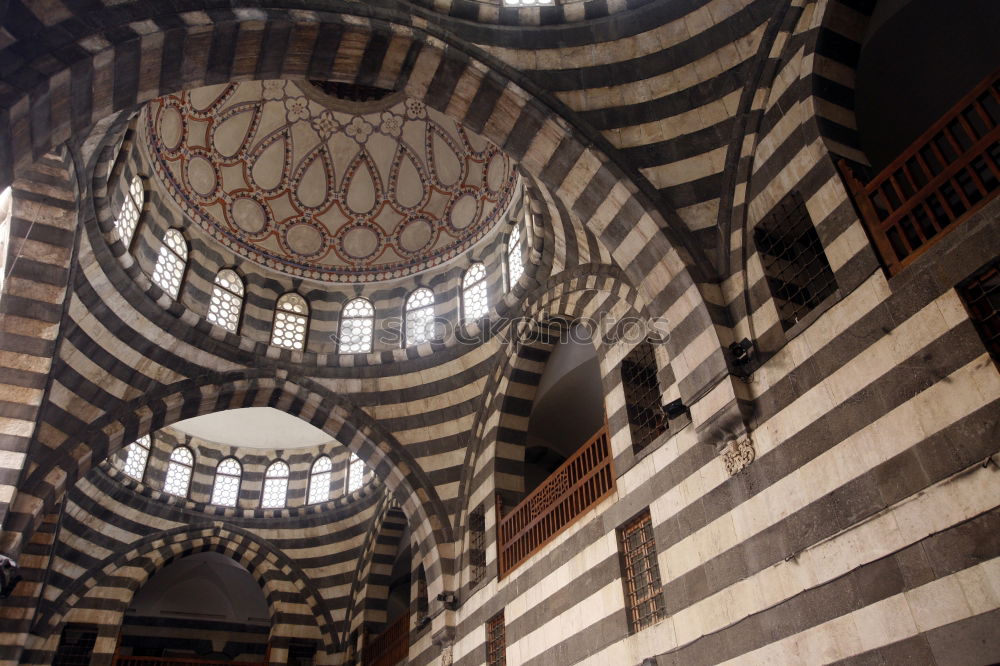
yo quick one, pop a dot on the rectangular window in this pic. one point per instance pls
(496, 641)
(76, 645)
(646, 420)
(641, 573)
(797, 270)
(981, 295)
(477, 546)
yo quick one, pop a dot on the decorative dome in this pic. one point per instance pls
(327, 193)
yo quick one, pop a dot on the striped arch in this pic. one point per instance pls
(291, 596)
(306, 399)
(370, 589)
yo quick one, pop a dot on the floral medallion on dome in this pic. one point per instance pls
(326, 194)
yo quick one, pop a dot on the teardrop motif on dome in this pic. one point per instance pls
(170, 125)
(496, 172)
(233, 131)
(444, 155)
(362, 188)
(477, 146)
(408, 181)
(270, 161)
(314, 176)
(204, 102)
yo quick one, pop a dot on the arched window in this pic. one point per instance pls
(474, 304)
(355, 473)
(169, 270)
(319, 480)
(227, 482)
(179, 472)
(419, 316)
(227, 300)
(291, 321)
(275, 486)
(515, 263)
(136, 457)
(357, 323)
(128, 215)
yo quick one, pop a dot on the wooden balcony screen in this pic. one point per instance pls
(391, 646)
(947, 174)
(585, 479)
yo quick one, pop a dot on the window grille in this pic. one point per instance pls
(275, 486)
(641, 573)
(319, 480)
(355, 473)
(291, 321)
(474, 303)
(419, 316)
(981, 295)
(515, 262)
(179, 472)
(169, 270)
(136, 457)
(477, 546)
(227, 300)
(128, 214)
(227, 482)
(76, 645)
(357, 324)
(646, 420)
(496, 641)
(797, 271)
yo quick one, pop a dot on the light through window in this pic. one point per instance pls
(275, 486)
(169, 270)
(128, 215)
(227, 483)
(357, 323)
(227, 300)
(179, 472)
(355, 473)
(319, 480)
(419, 316)
(474, 303)
(6, 212)
(291, 319)
(136, 457)
(515, 263)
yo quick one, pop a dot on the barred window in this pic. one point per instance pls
(496, 641)
(128, 214)
(357, 325)
(981, 295)
(797, 270)
(319, 480)
(646, 420)
(355, 473)
(275, 486)
(136, 457)
(227, 482)
(291, 322)
(477, 545)
(419, 316)
(515, 262)
(169, 270)
(474, 304)
(179, 472)
(641, 573)
(227, 300)
(76, 645)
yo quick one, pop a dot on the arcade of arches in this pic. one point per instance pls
(490, 332)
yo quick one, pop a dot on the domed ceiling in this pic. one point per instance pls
(323, 189)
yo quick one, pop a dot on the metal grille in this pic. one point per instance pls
(496, 641)
(981, 295)
(798, 273)
(643, 591)
(75, 645)
(477, 545)
(646, 420)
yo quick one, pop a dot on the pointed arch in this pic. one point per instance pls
(226, 304)
(357, 326)
(168, 274)
(419, 317)
(291, 322)
(275, 493)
